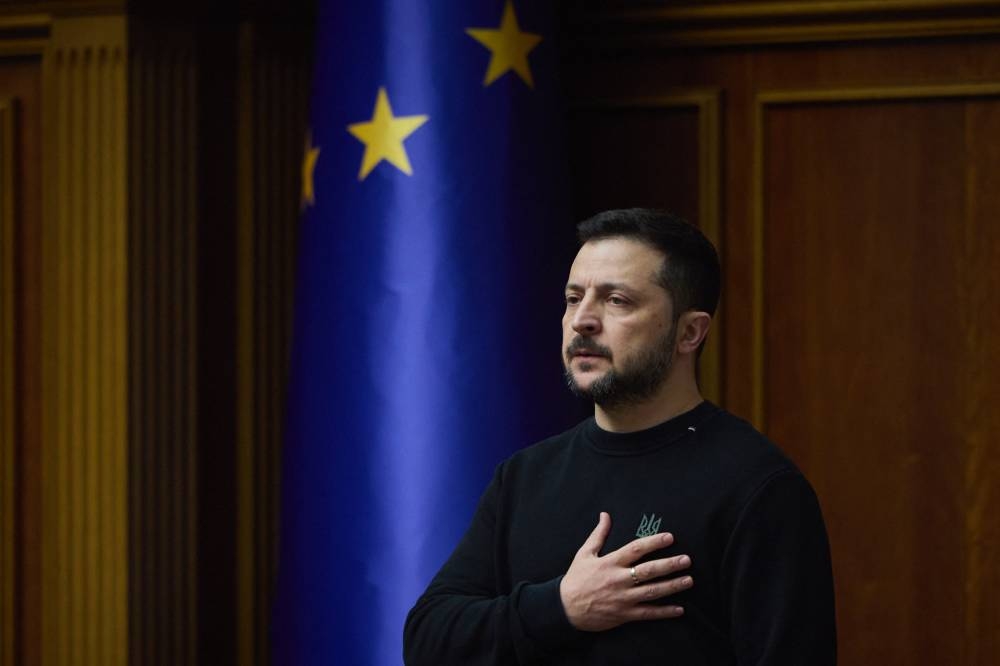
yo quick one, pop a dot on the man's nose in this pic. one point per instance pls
(586, 320)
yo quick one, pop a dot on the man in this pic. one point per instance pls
(709, 546)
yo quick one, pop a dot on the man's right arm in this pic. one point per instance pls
(463, 619)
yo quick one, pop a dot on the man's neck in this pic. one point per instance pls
(675, 397)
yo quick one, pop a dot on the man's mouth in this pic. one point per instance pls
(585, 349)
(588, 354)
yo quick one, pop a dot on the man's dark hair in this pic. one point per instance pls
(690, 272)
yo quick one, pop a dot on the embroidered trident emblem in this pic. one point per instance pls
(649, 525)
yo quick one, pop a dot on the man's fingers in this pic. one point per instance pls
(595, 541)
(653, 612)
(660, 568)
(639, 548)
(658, 590)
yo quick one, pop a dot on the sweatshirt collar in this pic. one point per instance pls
(645, 441)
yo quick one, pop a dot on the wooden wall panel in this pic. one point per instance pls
(867, 305)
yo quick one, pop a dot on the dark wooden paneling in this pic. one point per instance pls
(868, 291)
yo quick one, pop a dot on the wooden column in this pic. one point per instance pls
(85, 345)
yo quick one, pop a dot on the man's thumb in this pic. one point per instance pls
(595, 541)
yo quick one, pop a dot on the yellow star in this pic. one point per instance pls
(383, 137)
(509, 47)
(308, 197)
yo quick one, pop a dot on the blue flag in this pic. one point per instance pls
(436, 241)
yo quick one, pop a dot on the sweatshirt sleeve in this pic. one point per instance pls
(777, 575)
(463, 618)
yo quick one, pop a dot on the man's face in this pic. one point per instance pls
(618, 328)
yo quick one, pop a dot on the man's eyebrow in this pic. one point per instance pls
(602, 287)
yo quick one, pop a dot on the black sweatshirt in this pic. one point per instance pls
(763, 589)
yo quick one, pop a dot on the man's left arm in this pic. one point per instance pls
(777, 575)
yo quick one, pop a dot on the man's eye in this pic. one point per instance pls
(572, 299)
(616, 300)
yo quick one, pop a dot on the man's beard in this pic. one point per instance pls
(638, 379)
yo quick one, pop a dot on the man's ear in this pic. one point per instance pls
(692, 327)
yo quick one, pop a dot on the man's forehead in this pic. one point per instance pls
(616, 260)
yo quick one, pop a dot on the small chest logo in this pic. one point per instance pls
(649, 525)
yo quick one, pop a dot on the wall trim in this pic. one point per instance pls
(746, 23)
(9, 486)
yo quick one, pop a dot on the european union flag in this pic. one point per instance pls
(435, 243)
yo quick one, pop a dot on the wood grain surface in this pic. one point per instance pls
(874, 311)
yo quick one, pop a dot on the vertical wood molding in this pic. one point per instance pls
(709, 204)
(978, 285)
(164, 346)
(274, 99)
(8, 431)
(84, 339)
(757, 406)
